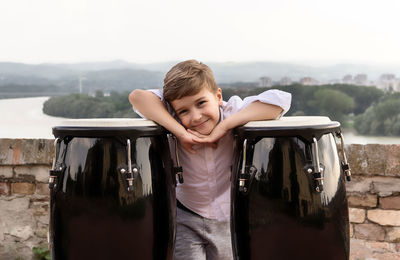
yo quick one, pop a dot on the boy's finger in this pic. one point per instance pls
(197, 139)
(196, 133)
(200, 140)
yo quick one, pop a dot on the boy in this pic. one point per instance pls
(192, 109)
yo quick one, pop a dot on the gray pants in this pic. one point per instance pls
(200, 238)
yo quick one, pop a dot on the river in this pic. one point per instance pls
(23, 118)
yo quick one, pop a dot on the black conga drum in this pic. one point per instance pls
(112, 191)
(288, 191)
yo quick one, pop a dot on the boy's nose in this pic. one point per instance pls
(196, 116)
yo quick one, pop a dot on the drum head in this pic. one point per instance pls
(305, 127)
(107, 127)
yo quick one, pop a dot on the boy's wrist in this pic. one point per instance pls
(231, 122)
(179, 131)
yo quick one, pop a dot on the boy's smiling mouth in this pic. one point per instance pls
(201, 124)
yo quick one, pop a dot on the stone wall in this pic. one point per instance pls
(374, 201)
(24, 196)
(373, 194)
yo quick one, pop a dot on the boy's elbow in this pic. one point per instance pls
(275, 112)
(135, 95)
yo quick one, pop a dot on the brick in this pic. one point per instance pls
(393, 234)
(351, 230)
(381, 247)
(22, 232)
(41, 232)
(23, 188)
(39, 173)
(384, 217)
(374, 154)
(367, 159)
(356, 156)
(14, 205)
(5, 188)
(42, 189)
(6, 171)
(385, 186)
(369, 232)
(43, 219)
(392, 160)
(356, 215)
(359, 185)
(358, 249)
(363, 200)
(40, 208)
(390, 202)
(26, 151)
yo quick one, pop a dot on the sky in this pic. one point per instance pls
(146, 31)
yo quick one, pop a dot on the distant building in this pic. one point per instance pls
(388, 82)
(387, 77)
(308, 81)
(265, 82)
(361, 79)
(347, 79)
(285, 81)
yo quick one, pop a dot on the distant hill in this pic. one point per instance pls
(121, 76)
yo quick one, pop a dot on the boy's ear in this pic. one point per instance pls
(219, 96)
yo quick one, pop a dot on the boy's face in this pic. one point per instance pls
(199, 112)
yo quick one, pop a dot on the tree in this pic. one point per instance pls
(332, 103)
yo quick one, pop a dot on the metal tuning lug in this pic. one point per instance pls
(243, 176)
(130, 173)
(54, 171)
(178, 169)
(318, 171)
(347, 171)
(179, 172)
(345, 165)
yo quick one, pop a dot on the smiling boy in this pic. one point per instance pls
(191, 108)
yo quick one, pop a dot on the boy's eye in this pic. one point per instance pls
(202, 102)
(182, 112)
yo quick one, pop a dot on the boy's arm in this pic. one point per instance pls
(151, 107)
(253, 112)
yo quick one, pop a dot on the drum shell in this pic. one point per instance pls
(94, 216)
(281, 216)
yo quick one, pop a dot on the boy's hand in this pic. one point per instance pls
(212, 139)
(187, 140)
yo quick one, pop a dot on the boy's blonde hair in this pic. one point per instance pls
(188, 78)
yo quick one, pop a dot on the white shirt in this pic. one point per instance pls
(206, 187)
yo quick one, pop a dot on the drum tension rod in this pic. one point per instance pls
(243, 176)
(178, 169)
(55, 171)
(131, 173)
(317, 173)
(345, 165)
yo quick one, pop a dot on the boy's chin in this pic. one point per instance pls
(203, 132)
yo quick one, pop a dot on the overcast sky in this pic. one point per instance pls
(143, 31)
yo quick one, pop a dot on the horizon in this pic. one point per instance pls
(298, 63)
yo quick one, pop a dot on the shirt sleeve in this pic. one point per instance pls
(274, 97)
(159, 94)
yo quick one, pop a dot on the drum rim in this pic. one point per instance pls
(122, 127)
(292, 122)
(106, 122)
(305, 132)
